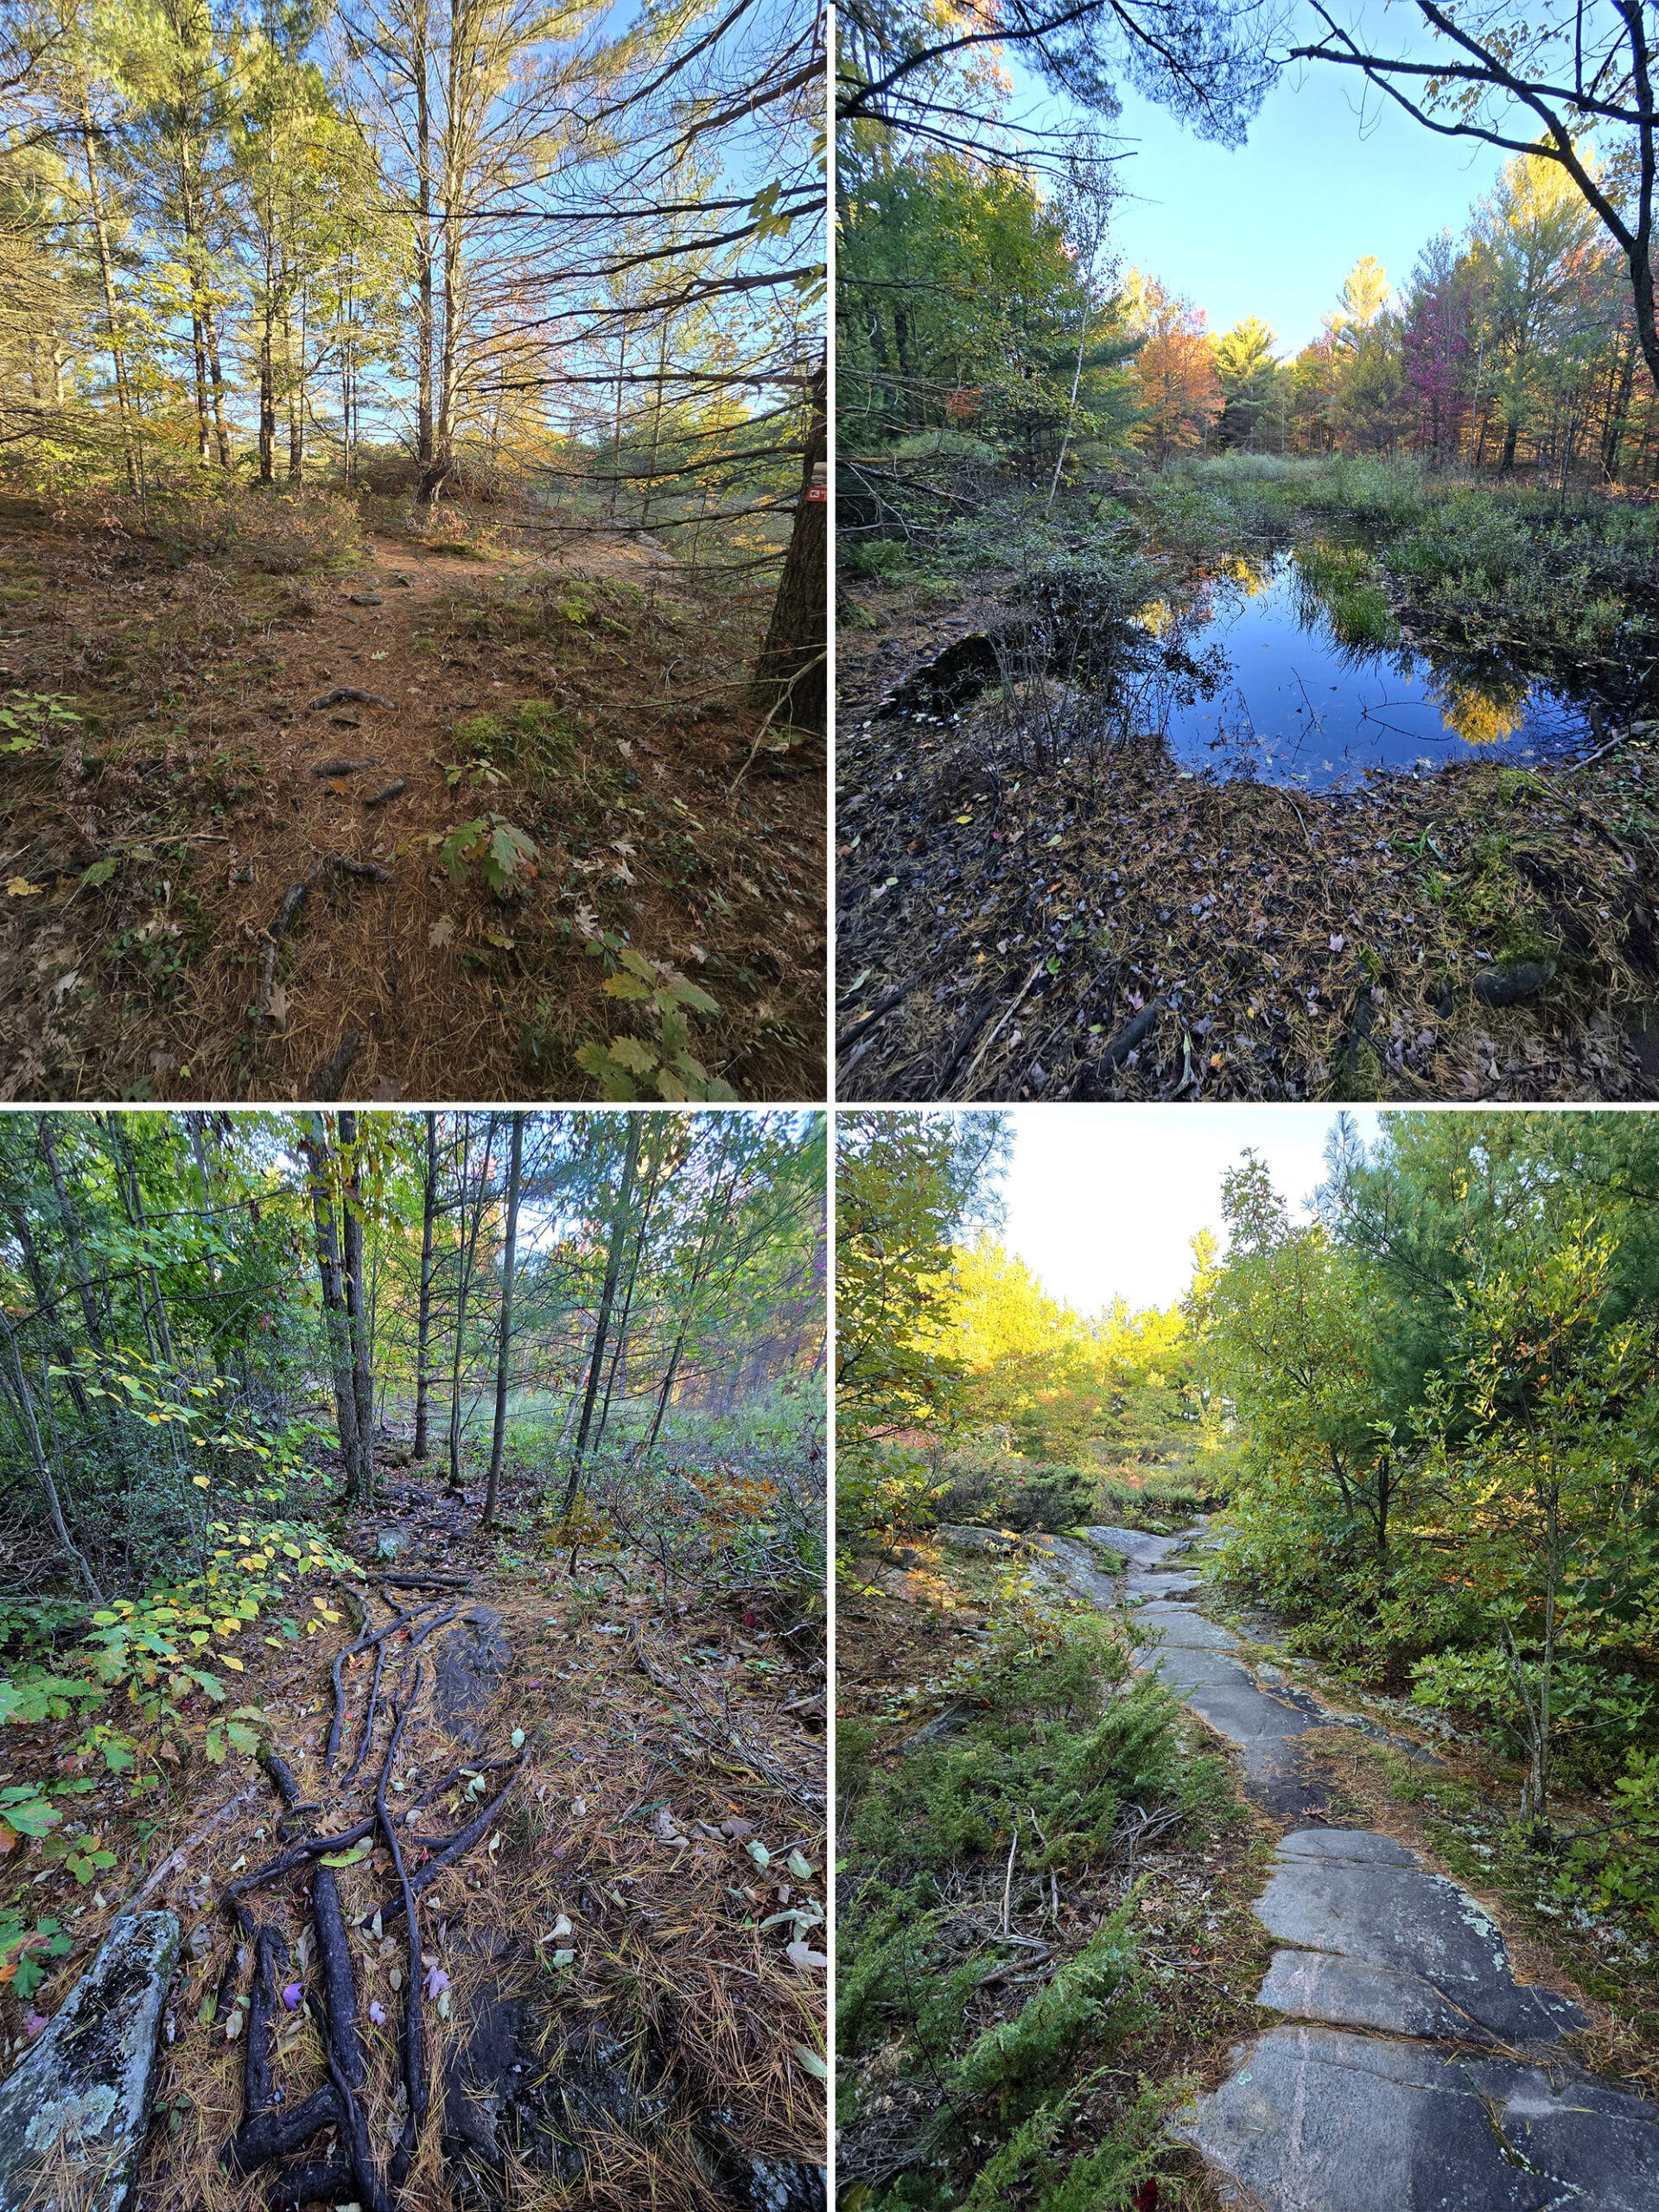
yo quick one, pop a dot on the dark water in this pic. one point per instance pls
(1291, 671)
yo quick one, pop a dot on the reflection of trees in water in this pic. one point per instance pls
(1483, 713)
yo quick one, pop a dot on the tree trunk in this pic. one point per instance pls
(335, 1323)
(361, 1486)
(71, 1237)
(602, 1319)
(790, 677)
(106, 270)
(420, 66)
(504, 1361)
(463, 1288)
(43, 1474)
(423, 1318)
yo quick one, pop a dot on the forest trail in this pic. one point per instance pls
(618, 1798)
(1411, 2070)
(198, 908)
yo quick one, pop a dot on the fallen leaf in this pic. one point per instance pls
(277, 1006)
(19, 886)
(441, 931)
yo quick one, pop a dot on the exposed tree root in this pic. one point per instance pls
(269, 2132)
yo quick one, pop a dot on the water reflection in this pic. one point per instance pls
(1291, 668)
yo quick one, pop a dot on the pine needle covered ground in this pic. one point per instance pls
(543, 761)
(667, 2040)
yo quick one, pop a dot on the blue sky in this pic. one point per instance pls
(1103, 1201)
(1273, 228)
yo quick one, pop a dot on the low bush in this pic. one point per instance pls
(986, 1486)
(1065, 1743)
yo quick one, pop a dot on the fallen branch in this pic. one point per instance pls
(759, 1763)
(457, 1844)
(346, 692)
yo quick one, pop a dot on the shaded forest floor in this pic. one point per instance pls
(1105, 928)
(593, 700)
(618, 2028)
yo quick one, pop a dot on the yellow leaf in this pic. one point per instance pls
(19, 886)
(229, 1659)
(200, 1482)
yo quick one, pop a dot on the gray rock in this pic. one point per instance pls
(1362, 1847)
(942, 1725)
(393, 1544)
(1143, 1584)
(1426, 1939)
(1185, 1626)
(960, 1539)
(1512, 981)
(1076, 1565)
(1316, 2120)
(78, 2104)
(1346, 1993)
(785, 2185)
(472, 1659)
(1135, 1544)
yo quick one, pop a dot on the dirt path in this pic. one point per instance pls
(1410, 2069)
(596, 1804)
(594, 702)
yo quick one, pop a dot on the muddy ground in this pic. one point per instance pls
(1106, 927)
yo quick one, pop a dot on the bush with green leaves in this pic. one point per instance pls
(661, 1063)
(1066, 1739)
(505, 856)
(30, 721)
(27, 1947)
(1616, 1862)
(885, 1487)
(986, 1486)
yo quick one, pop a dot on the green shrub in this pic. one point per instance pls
(1620, 1863)
(1095, 1994)
(881, 1485)
(987, 1487)
(876, 558)
(534, 742)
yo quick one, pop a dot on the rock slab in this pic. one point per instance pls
(1321, 2120)
(1384, 1944)
(79, 2102)
(474, 1658)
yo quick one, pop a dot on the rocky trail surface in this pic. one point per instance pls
(483, 1919)
(1407, 2070)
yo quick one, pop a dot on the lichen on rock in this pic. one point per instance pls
(75, 2109)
